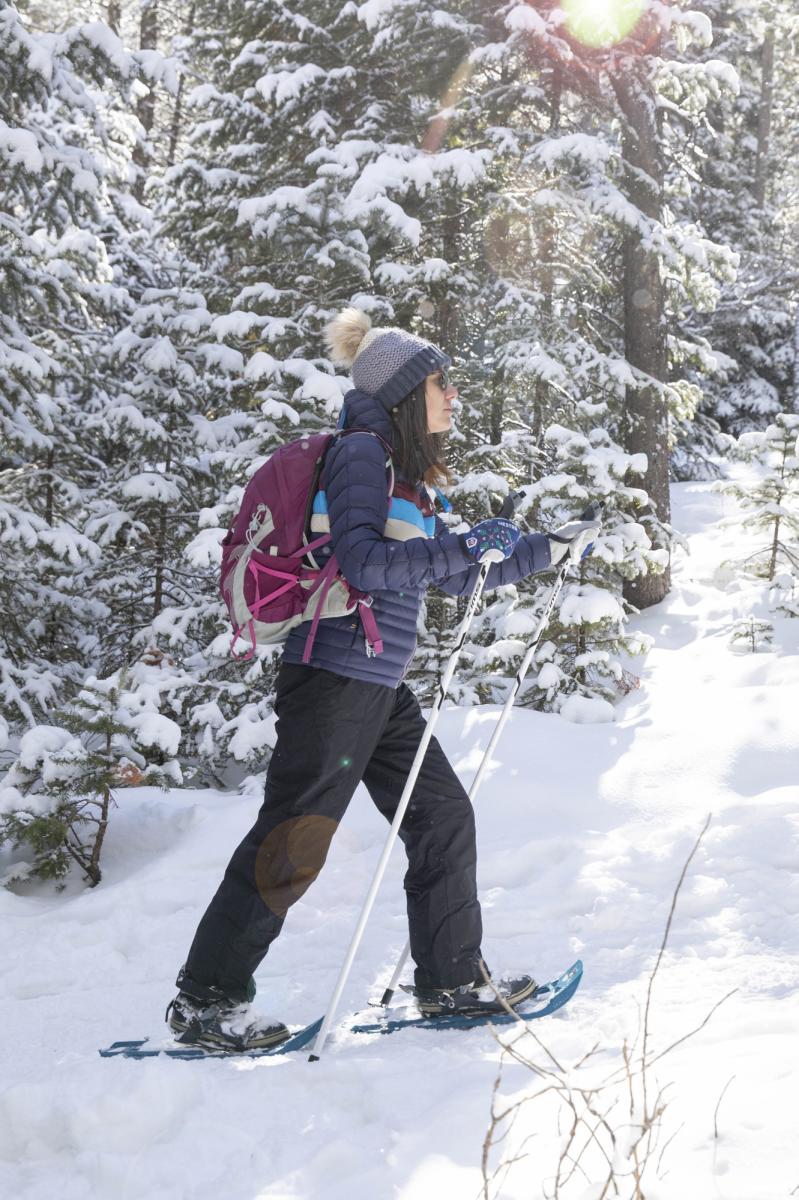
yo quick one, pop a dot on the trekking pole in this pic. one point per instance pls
(491, 556)
(590, 514)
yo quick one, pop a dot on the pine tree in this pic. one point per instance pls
(55, 286)
(752, 635)
(175, 442)
(545, 254)
(745, 177)
(73, 259)
(56, 800)
(60, 295)
(485, 222)
(771, 497)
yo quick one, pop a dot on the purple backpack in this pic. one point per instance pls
(270, 578)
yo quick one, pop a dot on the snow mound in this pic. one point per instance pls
(585, 710)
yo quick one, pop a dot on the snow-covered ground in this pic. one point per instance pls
(583, 832)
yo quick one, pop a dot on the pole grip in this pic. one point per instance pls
(509, 505)
(593, 512)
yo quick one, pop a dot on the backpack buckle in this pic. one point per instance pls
(374, 644)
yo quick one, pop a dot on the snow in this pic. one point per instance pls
(150, 486)
(523, 19)
(224, 357)
(37, 744)
(281, 200)
(85, 181)
(588, 605)
(391, 171)
(205, 548)
(235, 324)
(725, 73)
(20, 148)
(698, 24)
(374, 12)
(154, 729)
(590, 149)
(261, 366)
(584, 827)
(586, 710)
(280, 86)
(549, 676)
(161, 356)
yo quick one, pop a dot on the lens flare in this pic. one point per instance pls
(600, 24)
(437, 128)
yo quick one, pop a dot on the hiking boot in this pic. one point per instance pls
(210, 1019)
(474, 999)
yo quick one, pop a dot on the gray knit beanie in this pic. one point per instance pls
(384, 363)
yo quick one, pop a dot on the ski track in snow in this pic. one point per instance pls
(583, 831)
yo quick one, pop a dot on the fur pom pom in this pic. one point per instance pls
(345, 333)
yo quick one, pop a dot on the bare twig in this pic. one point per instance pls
(668, 1143)
(663, 945)
(718, 1106)
(686, 1036)
(588, 1129)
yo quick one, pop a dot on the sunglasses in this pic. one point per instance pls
(443, 379)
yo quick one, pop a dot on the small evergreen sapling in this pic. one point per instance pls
(752, 635)
(784, 594)
(56, 798)
(771, 499)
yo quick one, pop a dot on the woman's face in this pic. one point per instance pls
(439, 394)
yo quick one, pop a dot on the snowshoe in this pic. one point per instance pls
(216, 1022)
(473, 999)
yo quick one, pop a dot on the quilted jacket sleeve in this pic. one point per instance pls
(530, 556)
(355, 483)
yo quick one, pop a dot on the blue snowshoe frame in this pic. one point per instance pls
(559, 991)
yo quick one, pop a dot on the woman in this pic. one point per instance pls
(347, 717)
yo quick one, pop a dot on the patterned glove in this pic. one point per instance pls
(495, 535)
(575, 539)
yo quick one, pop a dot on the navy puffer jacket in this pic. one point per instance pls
(396, 571)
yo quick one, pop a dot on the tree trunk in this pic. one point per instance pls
(93, 869)
(449, 308)
(160, 546)
(796, 363)
(145, 109)
(177, 113)
(775, 541)
(113, 15)
(764, 112)
(644, 309)
(546, 251)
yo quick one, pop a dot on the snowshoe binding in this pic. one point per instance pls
(213, 1021)
(473, 999)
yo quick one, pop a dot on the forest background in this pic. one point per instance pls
(591, 206)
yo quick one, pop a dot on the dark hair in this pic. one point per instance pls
(418, 453)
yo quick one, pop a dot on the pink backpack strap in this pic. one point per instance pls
(374, 643)
(236, 634)
(325, 579)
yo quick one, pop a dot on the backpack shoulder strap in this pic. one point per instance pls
(386, 446)
(389, 449)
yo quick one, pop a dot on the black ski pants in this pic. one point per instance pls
(333, 732)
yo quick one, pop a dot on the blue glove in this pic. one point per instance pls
(496, 537)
